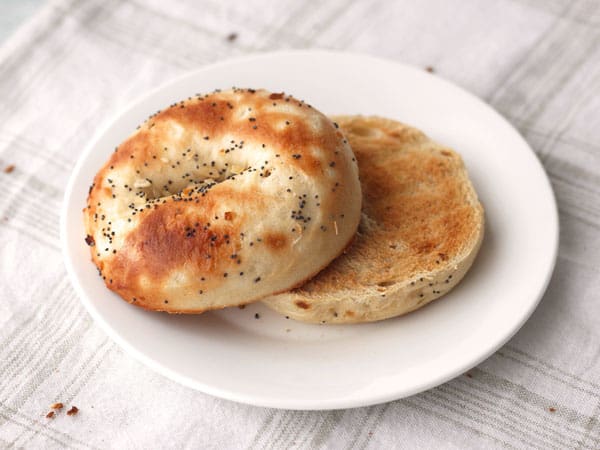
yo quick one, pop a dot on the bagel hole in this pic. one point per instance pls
(200, 183)
(193, 183)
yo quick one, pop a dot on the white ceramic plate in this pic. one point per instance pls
(279, 363)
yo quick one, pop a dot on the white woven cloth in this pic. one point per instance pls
(77, 63)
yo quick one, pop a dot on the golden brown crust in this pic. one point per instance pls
(421, 228)
(220, 200)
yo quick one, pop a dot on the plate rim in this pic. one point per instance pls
(282, 403)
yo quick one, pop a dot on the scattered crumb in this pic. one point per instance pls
(287, 330)
(57, 405)
(74, 410)
(552, 409)
(257, 316)
(370, 433)
(50, 415)
(241, 306)
(9, 169)
(469, 375)
(429, 69)
(232, 37)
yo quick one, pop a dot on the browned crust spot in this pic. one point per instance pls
(276, 241)
(302, 304)
(167, 239)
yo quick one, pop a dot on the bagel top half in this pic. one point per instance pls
(222, 199)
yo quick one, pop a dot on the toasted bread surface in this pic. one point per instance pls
(421, 228)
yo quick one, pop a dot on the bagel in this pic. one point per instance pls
(421, 228)
(220, 200)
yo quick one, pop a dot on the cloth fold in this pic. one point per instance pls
(76, 63)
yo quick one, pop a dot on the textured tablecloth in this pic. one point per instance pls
(77, 63)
